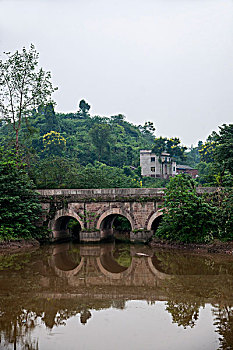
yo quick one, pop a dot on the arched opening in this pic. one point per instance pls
(67, 227)
(156, 223)
(116, 226)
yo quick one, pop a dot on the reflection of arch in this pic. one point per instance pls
(69, 273)
(65, 262)
(155, 216)
(155, 271)
(103, 262)
(113, 213)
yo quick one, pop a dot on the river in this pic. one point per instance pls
(111, 296)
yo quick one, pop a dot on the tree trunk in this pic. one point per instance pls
(17, 141)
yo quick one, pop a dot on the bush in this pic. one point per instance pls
(188, 217)
(19, 206)
(224, 214)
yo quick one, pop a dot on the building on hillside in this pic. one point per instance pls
(162, 166)
(157, 166)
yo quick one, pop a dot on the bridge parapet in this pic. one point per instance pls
(113, 194)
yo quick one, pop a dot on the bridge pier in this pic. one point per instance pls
(141, 236)
(89, 236)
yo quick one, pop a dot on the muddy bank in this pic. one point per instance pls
(213, 247)
(13, 246)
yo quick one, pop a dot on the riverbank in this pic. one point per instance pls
(21, 244)
(213, 247)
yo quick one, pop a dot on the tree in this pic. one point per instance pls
(100, 136)
(224, 147)
(207, 151)
(47, 119)
(172, 146)
(23, 87)
(188, 217)
(54, 143)
(84, 108)
(19, 206)
(147, 130)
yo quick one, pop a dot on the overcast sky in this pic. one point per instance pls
(168, 61)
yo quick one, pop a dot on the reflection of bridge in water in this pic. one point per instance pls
(97, 265)
(134, 272)
(61, 281)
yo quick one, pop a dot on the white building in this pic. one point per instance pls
(157, 166)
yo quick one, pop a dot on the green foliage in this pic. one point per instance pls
(216, 165)
(207, 151)
(23, 88)
(19, 207)
(100, 136)
(122, 224)
(151, 182)
(84, 108)
(207, 174)
(224, 147)
(193, 156)
(224, 213)
(188, 217)
(65, 173)
(172, 146)
(54, 143)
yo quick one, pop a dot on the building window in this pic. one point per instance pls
(152, 169)
(152, 159)
(174, 169)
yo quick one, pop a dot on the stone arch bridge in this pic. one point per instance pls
(96, 210)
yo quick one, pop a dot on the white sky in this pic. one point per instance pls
(167, 61)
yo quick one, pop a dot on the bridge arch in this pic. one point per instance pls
(59, 224)
(115, 212)
(155, 220)
(105, 223)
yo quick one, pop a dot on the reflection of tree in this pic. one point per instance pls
(84, 316)
(20, 316)
(179, 263)
(184, 314)
(118, 304)
(14, 261)
(122, 255)
(16, 329)
(224, 323)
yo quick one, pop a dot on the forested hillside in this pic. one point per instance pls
(80, 150)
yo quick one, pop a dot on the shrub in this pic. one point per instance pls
(187, 217)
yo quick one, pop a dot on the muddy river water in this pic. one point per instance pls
(111, 296)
